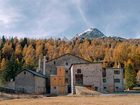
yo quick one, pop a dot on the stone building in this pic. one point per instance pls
(113, 79)
(57, 82)
(62, 74)
(29, 81)
(87, 75)
(93, 76)
(41, 80)
(66, 61)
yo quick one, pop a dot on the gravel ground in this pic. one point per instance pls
(71, 100)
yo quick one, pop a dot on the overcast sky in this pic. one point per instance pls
(59, 18)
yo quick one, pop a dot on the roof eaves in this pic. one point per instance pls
(68, 54)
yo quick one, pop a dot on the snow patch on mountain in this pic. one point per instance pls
(90, 33)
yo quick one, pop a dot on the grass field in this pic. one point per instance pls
(66, 100)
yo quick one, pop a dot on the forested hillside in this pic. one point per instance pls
(16, 54)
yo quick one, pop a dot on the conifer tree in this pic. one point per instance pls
(12, 68)
(29, 58)
(7, 50)
(39, 49)
(3, 39)
(18, 51)
(130, 75)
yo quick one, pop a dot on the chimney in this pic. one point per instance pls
(44, 65)
(119, 65)
(39, 65)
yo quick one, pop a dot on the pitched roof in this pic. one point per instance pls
(34, 72)
(113, 68)
(69, 54)
(85, 63)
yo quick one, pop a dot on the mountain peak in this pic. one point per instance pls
(90, 29)
(90, 33)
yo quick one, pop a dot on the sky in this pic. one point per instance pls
(66, 18)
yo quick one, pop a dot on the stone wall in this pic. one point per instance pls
(25, 81)
(40, 85)
(30, 83)
(92, 75)
(66, 61)
(110, 85)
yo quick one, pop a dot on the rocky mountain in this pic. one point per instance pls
(116, 38)
(90, 33)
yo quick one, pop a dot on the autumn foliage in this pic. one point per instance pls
(112, 52)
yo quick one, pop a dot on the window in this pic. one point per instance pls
(104, 80)
(104, 88)
(24, 72)
(66, 63)
(78, 70)
(66, 80)
(53, 71)
(117, 88)
(104, 73)
(117, 80)
(54, 62)
(116, 72)
(96, 88)
(66, 71)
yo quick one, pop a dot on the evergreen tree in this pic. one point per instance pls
(24, 42)
(3, 39)
(130, 75)
(12, 68)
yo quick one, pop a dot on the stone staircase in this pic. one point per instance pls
(80, 90)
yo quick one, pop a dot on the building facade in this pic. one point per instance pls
(87, 75)
(93, 76)
(66, 61)
(61, 75)
(29, 81)
(113, 79)
(57, 82)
